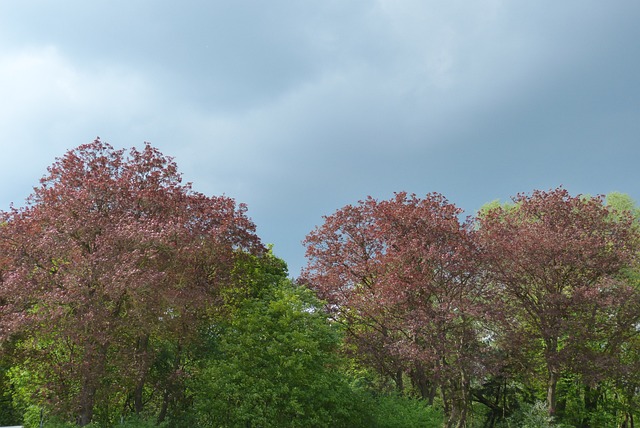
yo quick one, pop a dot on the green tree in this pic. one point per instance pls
(622, 202)
(10, 409)
(275, 364)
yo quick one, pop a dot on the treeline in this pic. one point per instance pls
(529, 310)
(128, 299)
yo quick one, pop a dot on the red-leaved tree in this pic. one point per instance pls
(401, 274)
(111, 256)
(554, 261)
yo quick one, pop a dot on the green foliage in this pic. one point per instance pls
(623, 202)
(396, 411)
(276, 366)
(32, 420)
(495, 204)
(252, 276)
(10, 414)
(24, 393)
(532, 416)
(33, 415)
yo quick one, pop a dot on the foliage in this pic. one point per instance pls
(112, 259)
(401, 275)
(127, 299)
(623, 203)
(10, 410)
(532, 416)
(554, 262)
(396, 411)
(276, 365)
(33, 420)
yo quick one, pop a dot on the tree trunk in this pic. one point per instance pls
(169, 388)
(551, 354)
(138, 402)
(552, 386)
(460, 401)
(138, 393)
(494, 408)
(165, 406)
(427, 389)
(86, 402)
(86, 399)
(591, 396)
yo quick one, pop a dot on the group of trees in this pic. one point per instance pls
(524, 298)
(128, 298)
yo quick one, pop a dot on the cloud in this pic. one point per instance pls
(52, 104)
(300, 108)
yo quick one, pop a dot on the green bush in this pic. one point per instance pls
(394, 411)
(276, 365)
(532, 416)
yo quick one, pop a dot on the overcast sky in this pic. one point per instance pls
(298, 108)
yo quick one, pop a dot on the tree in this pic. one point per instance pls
(275, 364)
(622, 203)
(112, 255)
(401, 275)
(554, 261)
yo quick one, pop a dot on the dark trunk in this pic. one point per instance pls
(169, 387)
(165, 406)
(138, 403)
(459, 402)
(552, 386)
(591, 396)
(142, 357)
(551, 354)
(427, 389)
(86, 399)
(495, 409)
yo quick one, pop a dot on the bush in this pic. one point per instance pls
(394, 411)
(276, 365)
(532, 416)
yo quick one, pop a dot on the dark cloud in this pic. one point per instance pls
(298, 108)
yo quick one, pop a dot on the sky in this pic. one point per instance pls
(298, 108)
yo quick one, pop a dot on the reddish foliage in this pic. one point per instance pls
(401, 274)
(112, 249)
(553, 260)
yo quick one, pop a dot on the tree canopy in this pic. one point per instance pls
(401, 274)
(112, 255)
(128, 299)
(555, 261)
(541, 283)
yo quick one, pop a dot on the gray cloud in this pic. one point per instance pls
(299, 108)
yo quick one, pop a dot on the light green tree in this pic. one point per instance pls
(275, 365)
(623, 202)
